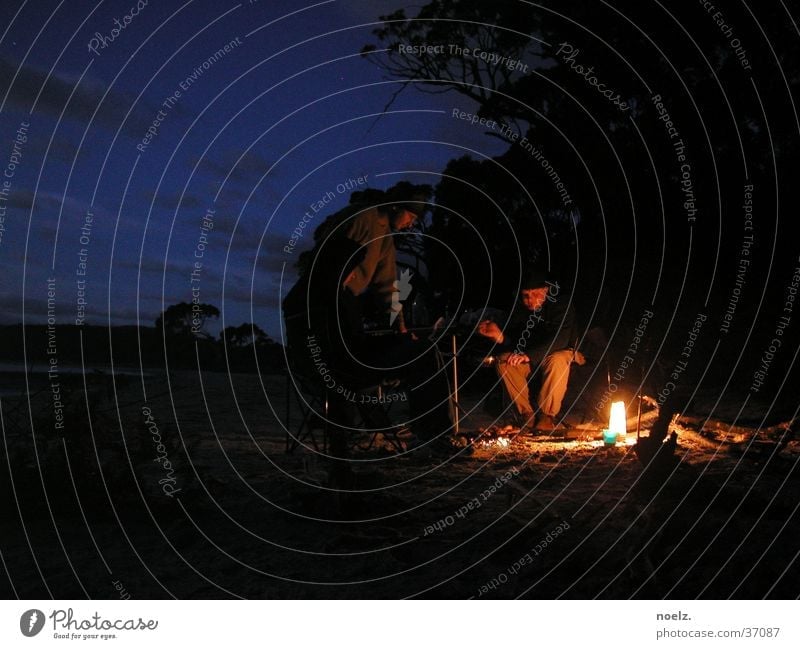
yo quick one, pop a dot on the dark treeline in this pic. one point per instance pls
(651, 161)
(649, 168)
(244, 348)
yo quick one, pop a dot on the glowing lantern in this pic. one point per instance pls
(616, 424)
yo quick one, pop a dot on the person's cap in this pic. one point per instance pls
(417, 207)
(413, 198)
(534, 278)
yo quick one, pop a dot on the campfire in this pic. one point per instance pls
(494, 437)
(493, 442)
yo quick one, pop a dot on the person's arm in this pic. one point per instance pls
(557, 332)
(491, 330)
(509, 344)
(378, 269)
(384, 281)
(513, 340)
(362, 231)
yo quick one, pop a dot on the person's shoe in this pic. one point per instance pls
(439, 448)
(525, 419)
(524, 422)
(545, 425)
(416, 445)
(448, 447)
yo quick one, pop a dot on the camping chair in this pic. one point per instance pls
(312, 399)
(583, 351)
(371, 407)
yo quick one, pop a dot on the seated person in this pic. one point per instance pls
(540, 336)
(326, 338)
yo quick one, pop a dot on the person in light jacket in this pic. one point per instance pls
(374, 229)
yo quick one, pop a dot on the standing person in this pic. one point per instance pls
(540, 336)
(374, 228)
(316, 342)
(326, 338)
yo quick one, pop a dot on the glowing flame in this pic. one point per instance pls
(497, 442)
(617, 422)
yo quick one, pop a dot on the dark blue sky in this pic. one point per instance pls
(154, 126)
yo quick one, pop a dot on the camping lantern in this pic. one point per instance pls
(616, 424)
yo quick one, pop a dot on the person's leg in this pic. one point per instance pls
(554, 377)
(515, 378)
(417, 364)
(342, 416)
(426, 382)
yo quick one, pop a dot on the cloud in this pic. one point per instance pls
(24, 199)
(52, 93)
(170, 201)
(273, 260)
(11, 309)
(210, 277)
(209, 174)
(47, 207)
(369, 10)
(249, 169)
(260, 296)
(154, 265)
(61, 149)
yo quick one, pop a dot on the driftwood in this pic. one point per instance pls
(717, 435)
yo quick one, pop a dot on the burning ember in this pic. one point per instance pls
(494, 437)
(493, 442)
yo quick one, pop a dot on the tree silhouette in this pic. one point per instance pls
(185, 319)
(633, 235)
(619, 165)
(244, 335)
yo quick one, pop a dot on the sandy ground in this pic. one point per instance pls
(222, 510)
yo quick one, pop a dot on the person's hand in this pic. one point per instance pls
(490, 330)
(518, 359)
(403, 330)
(579, 358)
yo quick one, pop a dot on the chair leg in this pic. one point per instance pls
(325, 424)
(288, 408)
(307, 423)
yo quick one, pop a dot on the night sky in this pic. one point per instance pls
(249, 113)
(155, 153)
